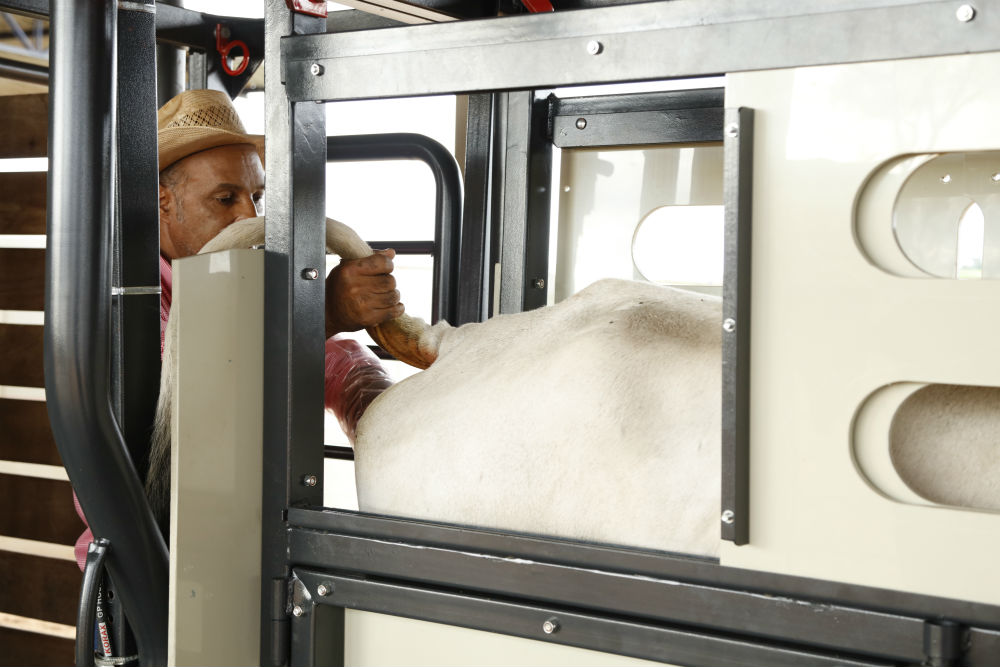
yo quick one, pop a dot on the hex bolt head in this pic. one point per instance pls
(550, 626)
(323, 590)
(965, 13)
(309, 480)
(728, 517)
(729, 325)
(310, 274)
(594, 47)
(297, 611)
(316, 69)
(538, 283)
(732, 130)
(581, 123)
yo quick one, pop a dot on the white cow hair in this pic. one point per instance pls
(596, 419)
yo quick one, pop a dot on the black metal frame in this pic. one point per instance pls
(444, 247)
(605, 584)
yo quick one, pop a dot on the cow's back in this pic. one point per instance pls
(596, 419)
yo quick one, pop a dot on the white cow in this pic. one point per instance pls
(596, 419)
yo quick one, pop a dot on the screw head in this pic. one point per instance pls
(550, 626)
(965, 13)
(581, 123)
(309, 480)
(322, 590)
(316, 69)
(594, 47)
(728, 516)
(995, 177)
(310, 274)
(297, 611)
(538, 283)
(732, 130)
(729, 325)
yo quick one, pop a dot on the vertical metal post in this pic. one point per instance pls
(293, 307)
(514, 141)
(475, 268)
(170, 66)
(81, 195)
(737, 191)
(137, 241)
(539, 199)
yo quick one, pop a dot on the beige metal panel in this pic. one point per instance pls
(379, 639)
(829, 328)
(605, 193)
(215, 532)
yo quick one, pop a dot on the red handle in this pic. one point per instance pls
(224, 47)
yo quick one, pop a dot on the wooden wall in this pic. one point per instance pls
(39, 579)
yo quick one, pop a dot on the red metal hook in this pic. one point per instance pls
(538, 5)
(224, 47)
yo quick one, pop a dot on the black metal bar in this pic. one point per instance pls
(38, 9)
(406, 247)
(317, 636)
(559, 625)
(447, 203)
(770, 618)
(474, 265)
(77, 305)
(737, 194)
(688, 117)
(643, 563)
(338, 453)
(138, 241)
(293, 308)
(538, 200)
(21, 71)
(600, 45)
(513, 148)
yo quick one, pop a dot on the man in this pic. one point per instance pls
(212, 175)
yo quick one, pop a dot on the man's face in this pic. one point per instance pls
(206, 192)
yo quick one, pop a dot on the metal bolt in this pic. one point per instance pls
(594, 47)
(965, 13)
(309, 480)
(732, 130)
(729, 325)
(316, 69)
(538, 283)
(581, 123)
(550, 626)
(728, 516)
(297, 611)
(310, 274)
(995, 177)
(322, 590)
(946, 178)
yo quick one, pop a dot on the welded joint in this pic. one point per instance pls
(300, 600)
(944, 643)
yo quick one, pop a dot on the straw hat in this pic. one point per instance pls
(197, 120)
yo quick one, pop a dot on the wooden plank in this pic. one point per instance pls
(38, 587)
(22, 203)
(38, 509)
(31, 650)
(24, 125)
(22, 279)
(21, 356)
(26, 435)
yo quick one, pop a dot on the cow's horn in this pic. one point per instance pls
(401, 338)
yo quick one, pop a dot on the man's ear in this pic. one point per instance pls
(166, 201)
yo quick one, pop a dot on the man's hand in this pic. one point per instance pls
(361, 293)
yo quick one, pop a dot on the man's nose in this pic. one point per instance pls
(246, 208)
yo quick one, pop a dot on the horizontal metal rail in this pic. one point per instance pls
(635, 42)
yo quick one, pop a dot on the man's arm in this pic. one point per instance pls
(361, 293)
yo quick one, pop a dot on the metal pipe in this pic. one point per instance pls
(81, 196)
(448, 198)
(18, 31)
(21, 71)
